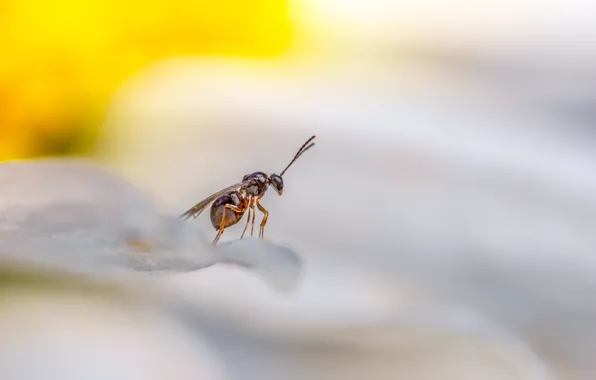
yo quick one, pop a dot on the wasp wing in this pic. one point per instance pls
(197, 209)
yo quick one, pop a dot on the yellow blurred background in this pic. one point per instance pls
(61, 60)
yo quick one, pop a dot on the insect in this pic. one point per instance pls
(229, 204)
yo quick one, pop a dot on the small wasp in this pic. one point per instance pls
(229, 204)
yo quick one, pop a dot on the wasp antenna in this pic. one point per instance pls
(306, 146)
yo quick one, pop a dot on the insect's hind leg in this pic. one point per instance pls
(222, 225)
(264, 221)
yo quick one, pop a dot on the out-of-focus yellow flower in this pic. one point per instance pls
(61, 59)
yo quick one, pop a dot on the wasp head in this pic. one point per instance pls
(277, 182)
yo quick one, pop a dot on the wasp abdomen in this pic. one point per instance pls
(218, 208)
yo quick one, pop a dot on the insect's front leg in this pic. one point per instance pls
(264, 221)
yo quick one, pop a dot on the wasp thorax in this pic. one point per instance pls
(255, 184)
(277, 182)
(258, 177)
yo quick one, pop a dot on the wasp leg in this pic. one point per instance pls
(264, 221)
(252, 227)
(222, 225)
(251, 212)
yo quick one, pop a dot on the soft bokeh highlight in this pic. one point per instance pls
(63, 59)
